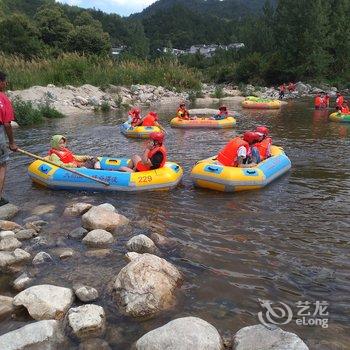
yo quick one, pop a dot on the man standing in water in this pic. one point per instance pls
(6, 116)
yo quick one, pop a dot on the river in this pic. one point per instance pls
(288, 242)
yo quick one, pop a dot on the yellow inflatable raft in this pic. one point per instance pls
(138, 132)
(260, 103)
(339, 117)
(209, 173)
(56, 178)
(226, 123)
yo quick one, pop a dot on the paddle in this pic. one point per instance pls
(61, 166)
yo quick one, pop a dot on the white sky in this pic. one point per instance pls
(121, 7)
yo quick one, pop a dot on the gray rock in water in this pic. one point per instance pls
(146, 285)
(85, 293)
(103, 217)
(77, 209)
(98, 238)
(78, 233)
(94, 344)
(15, 257)
(141, 244)
(43, 335)
(22, 282)
(6, 306)
(36, 225)
(8, 211)
(45, 301)
(42, 258)
(187, 333)
(87, 321)
(259, 337)
(9, 226)
(4, 234)
(66, 253)
(9, 243)
(39, 241)
(26, 234)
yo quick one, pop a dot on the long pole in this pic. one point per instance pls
(61, 166)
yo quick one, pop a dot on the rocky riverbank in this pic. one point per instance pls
(54, 316)
(71, 100)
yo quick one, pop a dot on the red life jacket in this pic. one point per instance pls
(228, 155)
(344, 110)
(135, 120)
(65, 155)
(149, 120)
(142, 167)
(264, 147)
(339, 101)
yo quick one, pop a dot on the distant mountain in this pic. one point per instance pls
(229, 9)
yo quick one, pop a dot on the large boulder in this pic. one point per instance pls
(9, 243)
(103, 217)
(46, 301)
(187, 333)
(141, 244)
(98, 238)
(11, 258)
(146, 285)
(43, 335)
(259, 337)
(87, 321)
(8, 211)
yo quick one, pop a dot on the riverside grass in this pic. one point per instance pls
(74, 69)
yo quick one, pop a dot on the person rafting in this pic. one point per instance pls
(326, 99)
(153, 157)
(61, 155)
(282, 90)
(182, 112)
(265, 142)
(318, 101)
(344, 109)
(135, 115)
(240, 151)
(222, 114)
(339, 101)
(151, 119)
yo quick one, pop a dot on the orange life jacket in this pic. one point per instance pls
(149, 120)
(318, 101)
(264, 147)
(142, 167)
(228, 155)
(182, 113)
(65, 155)
(339, 101)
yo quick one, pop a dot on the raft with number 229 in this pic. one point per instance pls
(56, 178)
(226, 123)
(209, 173)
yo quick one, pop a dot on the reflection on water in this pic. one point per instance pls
(285, 243)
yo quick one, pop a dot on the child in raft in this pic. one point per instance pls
(222, 114)
(183, 113)
(61, 155)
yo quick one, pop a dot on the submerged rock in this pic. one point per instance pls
(43, 335)
(141, 244)
(87, 321)
(94, 344)
(78, 233)
(260, 337)
(6, 306)
(103, 217)
(160, 240)
(22, 282)
(8, 211)
(9, 243)
(187, 333)
(42, 258)
(26, 234)
(98, 238)
(45, 301)
(146, 285)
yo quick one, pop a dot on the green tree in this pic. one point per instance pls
(137, 42)
(54, 26)
(18, 35)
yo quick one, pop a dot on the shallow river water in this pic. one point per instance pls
(288, 242)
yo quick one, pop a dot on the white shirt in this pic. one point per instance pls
(242, 152)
